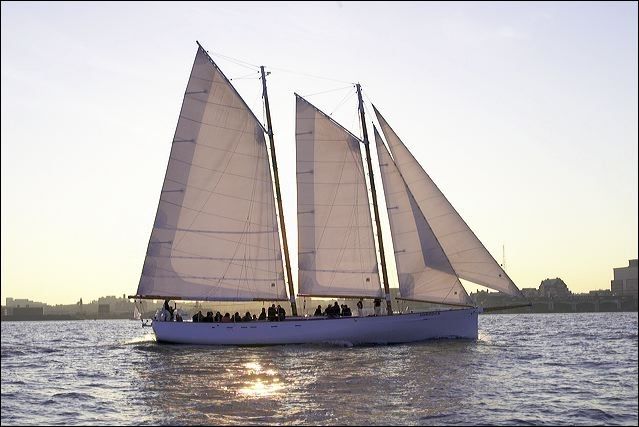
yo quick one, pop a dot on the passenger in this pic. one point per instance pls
(272, 313)
(226, 318)
(281, 313)
(198, 317)
(254, 318)
(237, 317)
(346, 311)
(318, 311)
(262, 314)
(247, 317)
(218, 317)
(209, 317)
(168, 308)
(360, 308)
(329, 311)
(378, 306)
(336, 309)
(178, 318)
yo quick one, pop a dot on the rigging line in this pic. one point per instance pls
(234, 60)
(245, 76)
(308, 75)
(327, 91)
(344, 99)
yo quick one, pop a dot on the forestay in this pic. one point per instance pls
(423, 270)
(215, 235)
(335, 235)
(468, 256)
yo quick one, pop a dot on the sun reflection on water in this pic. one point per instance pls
(261, 382)
(149, 337)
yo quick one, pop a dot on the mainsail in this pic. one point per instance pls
(335, 234)
(423, 270)
(215, 235)
(468, 256)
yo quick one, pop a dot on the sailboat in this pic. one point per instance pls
(219, 232)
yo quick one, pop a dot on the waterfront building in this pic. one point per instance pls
(554, 288)
(625, 280)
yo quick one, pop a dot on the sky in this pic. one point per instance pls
(524, 114)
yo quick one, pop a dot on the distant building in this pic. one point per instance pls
(530, 292)
(104, 309)
(600, 293)
(22, 303)
(625, 280)
(554, 288)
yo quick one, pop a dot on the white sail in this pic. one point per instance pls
(468, 256)
(335, 234)
(215, 235)
(423, 270)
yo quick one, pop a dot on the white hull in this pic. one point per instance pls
(402, 328)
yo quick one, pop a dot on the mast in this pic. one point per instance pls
(389, 308)
(278, 196)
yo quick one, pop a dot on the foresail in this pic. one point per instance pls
(335, 234)
(467, 255)
(423, 270)
(215, 235)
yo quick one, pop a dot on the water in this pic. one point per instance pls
(554, 369)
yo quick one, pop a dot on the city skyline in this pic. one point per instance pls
(524, 115)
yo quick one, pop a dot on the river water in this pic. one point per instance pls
(553, 369)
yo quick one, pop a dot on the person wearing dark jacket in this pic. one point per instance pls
(272, 313)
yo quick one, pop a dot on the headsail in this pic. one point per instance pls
(468, 256)
(335, 234)
(423, 270)
(215, 235)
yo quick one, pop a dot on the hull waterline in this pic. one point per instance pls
(402, 328)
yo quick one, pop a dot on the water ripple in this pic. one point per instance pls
(553, 369)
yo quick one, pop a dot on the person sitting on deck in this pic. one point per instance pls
(237, 317)
(329, 311)
(318, 311)
(198, 317)
(262, 314)
(168, 308)
(247, 317)
(209, 317)
(346, 311)
(178, 318)
(272, 313)
(218, 317)
(378, 306)
(226, 318)
(254, 318)
(281, 313)
(332, 311)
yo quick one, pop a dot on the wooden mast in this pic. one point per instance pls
(278, 196)
(389, 308)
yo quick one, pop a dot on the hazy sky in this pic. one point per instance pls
(524, 114)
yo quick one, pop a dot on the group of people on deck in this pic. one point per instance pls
(344, 310)
(274, 314)
(334, 310)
